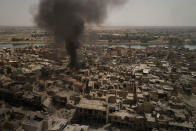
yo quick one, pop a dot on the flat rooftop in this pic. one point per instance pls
(92, 104)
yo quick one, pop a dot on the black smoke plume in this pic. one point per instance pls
(66, 19)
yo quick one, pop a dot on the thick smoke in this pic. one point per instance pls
(66, 19)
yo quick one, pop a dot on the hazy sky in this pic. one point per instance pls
(134, 13)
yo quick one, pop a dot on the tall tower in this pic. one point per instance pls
(135, 93)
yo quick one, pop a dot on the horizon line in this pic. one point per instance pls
(108, 26)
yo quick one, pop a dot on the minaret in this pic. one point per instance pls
(135, 93)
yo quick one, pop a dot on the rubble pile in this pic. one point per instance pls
(114, 88)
